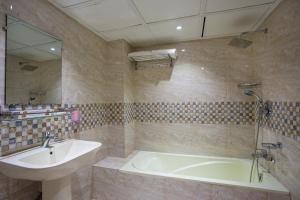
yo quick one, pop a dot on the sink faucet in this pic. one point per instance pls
(46, 139)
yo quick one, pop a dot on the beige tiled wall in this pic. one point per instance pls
(122, 90)
(208, 139)
(87, 77)
(206, 71)
(98, 72)
(46, 78)
(277, 65)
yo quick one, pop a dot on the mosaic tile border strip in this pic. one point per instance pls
(196, 112)
(17, 135)
(285, 119)
(94, 115)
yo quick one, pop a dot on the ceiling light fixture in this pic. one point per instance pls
(183, 50)
(179, 28)
(10, 7)
(52, 49)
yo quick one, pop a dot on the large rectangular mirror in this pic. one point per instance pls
(33, 65)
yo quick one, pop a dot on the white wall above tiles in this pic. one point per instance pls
(148, 22)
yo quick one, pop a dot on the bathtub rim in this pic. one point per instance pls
(129, 169)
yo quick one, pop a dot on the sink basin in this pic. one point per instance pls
(53, 166)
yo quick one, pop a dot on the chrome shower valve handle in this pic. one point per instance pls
(269, 146)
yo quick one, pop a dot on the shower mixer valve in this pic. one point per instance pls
(263, 153)
(269, 146)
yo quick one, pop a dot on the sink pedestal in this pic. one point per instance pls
(57, 189)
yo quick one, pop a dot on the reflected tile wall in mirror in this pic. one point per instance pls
(33, 65)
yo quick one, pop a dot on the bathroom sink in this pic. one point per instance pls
(53, 166)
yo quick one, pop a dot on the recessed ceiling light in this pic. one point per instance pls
(10, 7)
(183, 50)
(179, 28)
(52, 49)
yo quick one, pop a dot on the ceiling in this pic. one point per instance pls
(28, 42)
(149, 22)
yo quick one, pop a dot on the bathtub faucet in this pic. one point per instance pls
(263, 153)
(269, 146)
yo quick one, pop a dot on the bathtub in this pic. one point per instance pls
(214, 170)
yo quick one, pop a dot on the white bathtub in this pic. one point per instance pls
(214, 170)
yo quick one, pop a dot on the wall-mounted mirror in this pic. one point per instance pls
(33, 65)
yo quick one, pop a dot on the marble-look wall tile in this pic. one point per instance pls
(111, 137)
(276, 61)
(84, 71)
(21, 85)
(205, 139)
(277, 53)
(82, 184)
(208, 70)
(78, 43)
(129, 131)
(117, 57)
(12, 189)
(287, 160)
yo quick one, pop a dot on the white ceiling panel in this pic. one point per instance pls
(106, 15)
(158, 10)
(217, 5)
(136, 35)
(144, 22)
(233, 22)
(166, 31)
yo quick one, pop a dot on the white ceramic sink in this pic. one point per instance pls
(53, 166)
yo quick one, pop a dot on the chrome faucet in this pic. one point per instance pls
(269, 146)
(260, 153)
(46, 139)
(263, 153)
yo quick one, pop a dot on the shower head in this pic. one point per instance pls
(239, 42)
(27, 67)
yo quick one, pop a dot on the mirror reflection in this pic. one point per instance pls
(33, 65)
